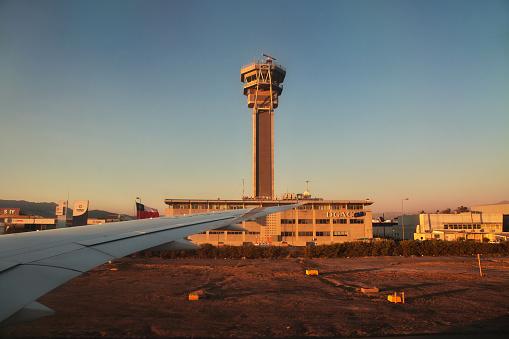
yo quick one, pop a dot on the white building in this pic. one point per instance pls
(468, 226)
(485, 222)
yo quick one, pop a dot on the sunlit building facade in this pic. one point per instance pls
(475, 226)
(315, 223)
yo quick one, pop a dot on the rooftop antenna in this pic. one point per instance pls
(307, 183)
(268, 57)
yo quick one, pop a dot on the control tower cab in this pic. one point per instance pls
(263, 86)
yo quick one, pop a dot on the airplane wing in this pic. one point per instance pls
(34, 263)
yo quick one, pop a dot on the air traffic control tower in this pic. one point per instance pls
(262, 86)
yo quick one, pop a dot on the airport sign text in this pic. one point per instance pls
(345, 214)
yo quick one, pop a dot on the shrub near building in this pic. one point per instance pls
(340, 250)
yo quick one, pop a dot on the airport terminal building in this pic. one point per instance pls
(315, 223)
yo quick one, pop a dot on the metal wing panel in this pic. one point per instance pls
(28, 257)
(81, 260)
(30, 312)
(122, 248)
(24, 247)
(21, 285)
(34, 263)
(6, 265)
(119, 249)
(109, 238)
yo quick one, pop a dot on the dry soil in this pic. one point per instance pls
(135, 297)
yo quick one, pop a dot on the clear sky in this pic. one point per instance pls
(111, 100)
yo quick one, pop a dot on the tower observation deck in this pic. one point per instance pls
(262, 86)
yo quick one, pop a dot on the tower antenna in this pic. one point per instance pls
(268, 56)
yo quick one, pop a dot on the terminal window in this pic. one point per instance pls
(461, 227)
(340, 233)
(356, 221)
(339, 221)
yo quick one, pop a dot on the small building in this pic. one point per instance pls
(467, 226)
(27, 224)
(383, 229)
(14, 221)
(409, 222)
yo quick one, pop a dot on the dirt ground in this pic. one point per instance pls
(135, 297)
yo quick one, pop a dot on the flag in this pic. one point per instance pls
(145, 212)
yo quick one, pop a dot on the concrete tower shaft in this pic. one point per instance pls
(262, 86)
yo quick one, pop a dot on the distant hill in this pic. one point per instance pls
(43, 209)
(47, 209)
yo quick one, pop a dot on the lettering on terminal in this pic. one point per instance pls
(345, 214)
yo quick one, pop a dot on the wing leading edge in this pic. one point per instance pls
(34, 263)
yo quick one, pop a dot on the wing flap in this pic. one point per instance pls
(81, 260)
(32, 311)
(108, 238)
(119, 249)
(22, 284)
(4, 265)
(232, 227)
(176, 245)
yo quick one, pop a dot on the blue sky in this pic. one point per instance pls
(113, 100)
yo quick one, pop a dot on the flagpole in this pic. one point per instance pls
(135, 209)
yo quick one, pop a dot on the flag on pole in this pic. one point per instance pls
(145, 212)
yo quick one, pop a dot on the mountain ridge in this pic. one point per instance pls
(47, 209)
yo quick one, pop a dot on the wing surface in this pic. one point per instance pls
(34, 263)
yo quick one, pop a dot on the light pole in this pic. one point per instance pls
(403, 217)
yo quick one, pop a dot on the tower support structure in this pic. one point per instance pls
(263, 86)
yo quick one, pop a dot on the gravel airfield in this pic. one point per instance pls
(149, 298)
